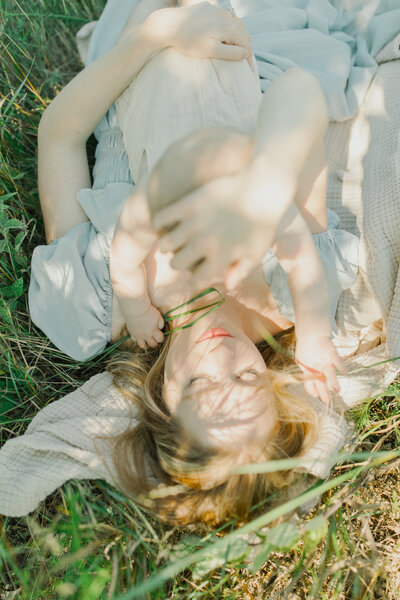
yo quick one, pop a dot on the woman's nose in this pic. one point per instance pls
(220, 346)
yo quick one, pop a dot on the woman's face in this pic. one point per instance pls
(213, 373)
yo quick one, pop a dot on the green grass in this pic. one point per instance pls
(87, 541)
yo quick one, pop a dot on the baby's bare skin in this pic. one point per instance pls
(209, 153)
(202, 156)
(153, 284)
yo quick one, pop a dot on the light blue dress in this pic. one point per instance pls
(70, 295)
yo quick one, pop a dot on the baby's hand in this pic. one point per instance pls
(318, 358)
(220, 227)
(146, 329)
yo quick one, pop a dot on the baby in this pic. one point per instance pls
(186, 122)
(202, 156)
(172, 97)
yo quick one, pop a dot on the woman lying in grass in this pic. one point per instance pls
(209, 401)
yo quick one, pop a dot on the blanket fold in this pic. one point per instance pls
(337, 41)
(64, 441)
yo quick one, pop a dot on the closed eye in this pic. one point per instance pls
(244, 376)
(248, 375)
(200, 378)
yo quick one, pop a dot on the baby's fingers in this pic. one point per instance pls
(175, 212)
(237, 271)
(175, 239)
(158, 336)
(206, 270)
(151, 342)
(189, 255)
(142, 343)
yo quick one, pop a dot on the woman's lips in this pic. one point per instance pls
(212, 333)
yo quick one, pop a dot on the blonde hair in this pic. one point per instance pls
(178, 479)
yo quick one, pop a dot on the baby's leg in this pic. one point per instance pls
(203, 155)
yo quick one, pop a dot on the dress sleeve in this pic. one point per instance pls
(70, 293)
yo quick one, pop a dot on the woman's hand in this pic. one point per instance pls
(202, 30)
(223, 228)
(317, 357)
(140, 12)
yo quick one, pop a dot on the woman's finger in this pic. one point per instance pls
(339, 364)
(310, 370)
(240, 36)
(310, 388)
(238, 21)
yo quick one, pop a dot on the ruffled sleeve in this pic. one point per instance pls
(70, 293)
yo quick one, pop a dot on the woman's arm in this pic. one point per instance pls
(298, 255)
(70, 119)
(72, 116)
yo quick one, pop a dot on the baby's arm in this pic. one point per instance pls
(132, 242)
(308, 285)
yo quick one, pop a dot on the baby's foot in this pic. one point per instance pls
(146, 329)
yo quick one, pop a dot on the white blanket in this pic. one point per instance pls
(364, 189)
(336, 40)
